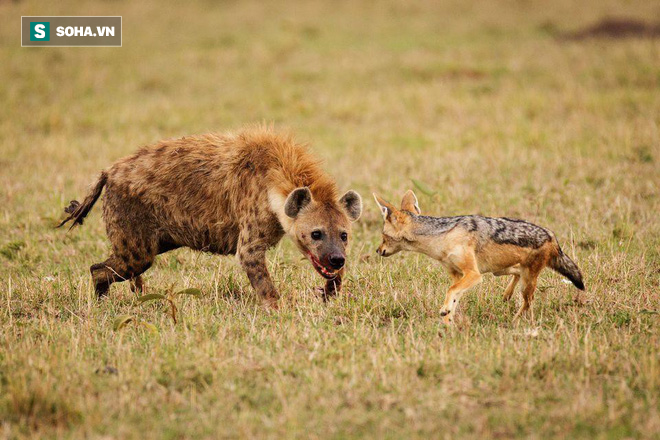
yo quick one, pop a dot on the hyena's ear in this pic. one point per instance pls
(352, 204)
(410, 203)
(296, 201)
(386, 209)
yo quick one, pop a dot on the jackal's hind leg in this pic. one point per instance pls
(515, 271)
(529, 280)
(508, 292)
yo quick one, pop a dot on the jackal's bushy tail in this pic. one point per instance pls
(78, 211)
(565, 266)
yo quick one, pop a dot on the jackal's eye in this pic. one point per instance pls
(344, 236)
(316, 235)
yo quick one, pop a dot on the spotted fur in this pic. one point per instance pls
(218, 193)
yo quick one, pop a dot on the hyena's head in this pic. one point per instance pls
(322, 230)
(398, 227)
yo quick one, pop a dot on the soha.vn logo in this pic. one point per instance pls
(39, 31)
(85, 31)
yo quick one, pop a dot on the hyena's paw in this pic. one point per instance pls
(320, 291)
(137, 286)
(326, 294)
(270, 302)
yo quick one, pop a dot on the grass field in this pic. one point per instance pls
(486, 104)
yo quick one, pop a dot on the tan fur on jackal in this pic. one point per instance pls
(469, 246)
(232, 193)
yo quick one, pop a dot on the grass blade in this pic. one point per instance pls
(149, 326)
(150, 297)
(424, 188)
(191, 291)
(121, 321)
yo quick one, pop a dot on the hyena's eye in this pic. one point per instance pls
(316, 235)
(344, 236)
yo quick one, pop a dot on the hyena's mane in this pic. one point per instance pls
(289, 163)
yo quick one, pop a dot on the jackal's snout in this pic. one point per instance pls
(383, 251)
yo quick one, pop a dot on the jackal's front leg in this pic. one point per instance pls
(468, 280)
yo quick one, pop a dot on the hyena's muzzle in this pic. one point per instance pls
(329, 261)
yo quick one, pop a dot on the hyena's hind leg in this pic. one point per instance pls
(104, 274)
(125, 264)
(137, 285)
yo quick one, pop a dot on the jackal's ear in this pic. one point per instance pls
(386, 209)
(352, 204)
(410, 203)
(296, 201)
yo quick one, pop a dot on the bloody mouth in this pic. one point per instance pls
(325, 273)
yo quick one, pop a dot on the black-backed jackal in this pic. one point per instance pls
(471, 245)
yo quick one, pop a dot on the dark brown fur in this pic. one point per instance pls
(219, 193)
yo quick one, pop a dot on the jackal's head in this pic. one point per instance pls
(321, 230)
(397, 229)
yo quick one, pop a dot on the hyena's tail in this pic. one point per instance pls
(565, 266)
(78, 211)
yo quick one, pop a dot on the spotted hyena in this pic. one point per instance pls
(228, 194)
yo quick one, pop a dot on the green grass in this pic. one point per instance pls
(478, 101)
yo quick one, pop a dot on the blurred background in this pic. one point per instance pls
(386, 91)
(542, 110)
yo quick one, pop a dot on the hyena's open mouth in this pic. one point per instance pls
(323, 271)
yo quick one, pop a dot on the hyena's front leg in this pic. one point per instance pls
(253, 260)
(333, 287)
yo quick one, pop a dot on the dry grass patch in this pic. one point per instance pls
(479, 103)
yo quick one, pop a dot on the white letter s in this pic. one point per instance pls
(40, 31)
